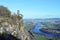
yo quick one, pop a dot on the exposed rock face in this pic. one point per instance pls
(12, 24)
(13, 28)
(8, 28)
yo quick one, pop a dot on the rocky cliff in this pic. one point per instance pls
(13, 26)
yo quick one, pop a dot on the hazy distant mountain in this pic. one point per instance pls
(39, 20)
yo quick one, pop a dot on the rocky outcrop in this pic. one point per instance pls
(12, 24)
(13, 27)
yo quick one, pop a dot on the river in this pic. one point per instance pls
(39, 26)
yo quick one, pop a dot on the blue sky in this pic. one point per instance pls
(34, 8)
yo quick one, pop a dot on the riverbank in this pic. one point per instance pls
(49, 33)
(35, 36)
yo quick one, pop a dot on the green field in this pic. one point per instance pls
(39, 37)
(27, 26)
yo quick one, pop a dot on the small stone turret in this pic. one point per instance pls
(18, 12)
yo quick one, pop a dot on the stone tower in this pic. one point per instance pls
(18, 12)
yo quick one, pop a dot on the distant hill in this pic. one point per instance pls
(41, 20)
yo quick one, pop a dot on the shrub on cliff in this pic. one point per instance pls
(4, 11)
